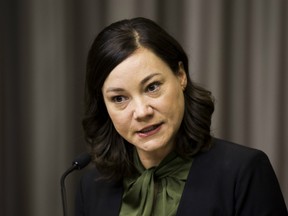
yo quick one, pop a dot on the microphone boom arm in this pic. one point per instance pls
(80, 162)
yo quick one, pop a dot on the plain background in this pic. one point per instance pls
(237, 49)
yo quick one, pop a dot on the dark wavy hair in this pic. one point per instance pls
(112, 154)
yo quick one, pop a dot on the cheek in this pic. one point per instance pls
(120, 121)
(174, 109)
(173, 102)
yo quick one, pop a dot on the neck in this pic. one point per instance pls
(149, 163)
(152, 159)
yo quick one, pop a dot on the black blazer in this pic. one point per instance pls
(229, 179)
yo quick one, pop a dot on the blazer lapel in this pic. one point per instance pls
(191, 197)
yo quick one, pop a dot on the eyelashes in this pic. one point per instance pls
(118, 99)
(151, 89)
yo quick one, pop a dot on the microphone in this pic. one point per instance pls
(78, 163)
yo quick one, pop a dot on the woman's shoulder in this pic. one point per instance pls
(232, 147)
(233, 178)
(228, 156)
(226, 150)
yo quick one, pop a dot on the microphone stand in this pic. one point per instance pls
(63, 189)
(80, 162)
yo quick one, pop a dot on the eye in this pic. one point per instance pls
(118, 99)
(153, 87)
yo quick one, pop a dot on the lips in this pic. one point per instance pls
(150, 130)
(146, 130)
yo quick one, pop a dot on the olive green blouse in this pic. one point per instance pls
(157, 190)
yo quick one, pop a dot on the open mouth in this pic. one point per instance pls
(148, 131)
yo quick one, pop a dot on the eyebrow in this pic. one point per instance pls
(145, 80)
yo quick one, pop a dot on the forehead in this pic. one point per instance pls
(139, 65)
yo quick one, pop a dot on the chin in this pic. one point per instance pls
(150, 147)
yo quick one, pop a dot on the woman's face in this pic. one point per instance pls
(145, 102)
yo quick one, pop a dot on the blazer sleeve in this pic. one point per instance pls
(257, 190)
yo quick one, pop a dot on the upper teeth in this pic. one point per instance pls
(148, 129)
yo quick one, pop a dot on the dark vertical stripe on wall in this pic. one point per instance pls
(227, 51)
(76, 56)
(205, 31)
(3, 67)
(160, 14)
(11, 119)
(170, 17)
(88, 18)
(283, 89)
(247, 73)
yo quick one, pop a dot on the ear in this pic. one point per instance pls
(182, 76)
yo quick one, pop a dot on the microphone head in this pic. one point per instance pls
(82, 160)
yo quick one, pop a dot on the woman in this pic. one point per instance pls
(148, 126)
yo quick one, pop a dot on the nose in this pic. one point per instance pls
(142, 109)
